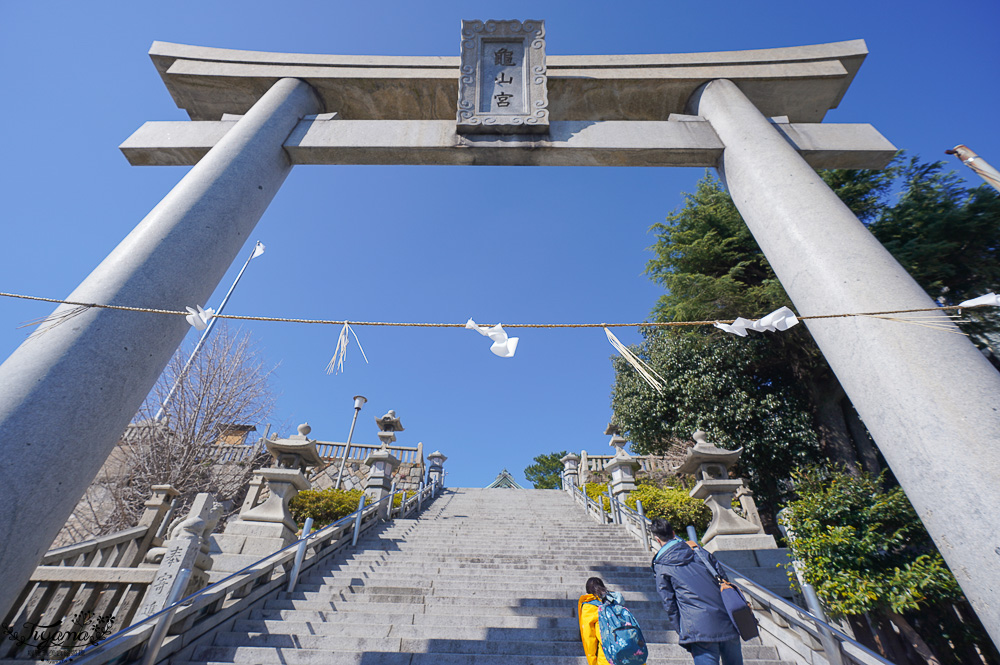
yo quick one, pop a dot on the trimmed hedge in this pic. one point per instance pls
(672, 504)
(324, 506)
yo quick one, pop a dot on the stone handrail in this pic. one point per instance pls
(109, 550)
(82, 592)
(222, 454)
(331, 450)
(597, 463)
(220, 602)
(796, 633)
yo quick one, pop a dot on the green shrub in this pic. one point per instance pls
(598, 492)
(324, 506)
(672, 504)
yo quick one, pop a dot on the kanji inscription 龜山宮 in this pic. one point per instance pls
(502, 88)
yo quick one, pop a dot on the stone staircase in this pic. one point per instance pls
(482, 577)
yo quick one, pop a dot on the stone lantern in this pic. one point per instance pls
(387, 426)
(269, 526)
(728, 531)
(292, 456)
(622, 466)
(571, 464)
(436, 469)
(381, 463)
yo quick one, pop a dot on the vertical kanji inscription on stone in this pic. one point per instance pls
(502, 87)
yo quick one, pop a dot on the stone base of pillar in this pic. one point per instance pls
(741, 542)
(764, 566)
(243, 543)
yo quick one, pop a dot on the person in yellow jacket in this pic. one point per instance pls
(586, 610)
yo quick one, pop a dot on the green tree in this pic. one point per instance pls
(546, 472)
(947, 236)
(720, 385)
(866, 552)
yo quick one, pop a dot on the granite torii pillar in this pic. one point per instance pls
(84, 379)
(930, 400)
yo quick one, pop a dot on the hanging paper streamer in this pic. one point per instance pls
(988, 299)
(336, 364)
(780, 319)
(199, 318)
(503, 346)
(648, 374)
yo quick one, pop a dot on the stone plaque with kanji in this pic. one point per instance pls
(502, 85)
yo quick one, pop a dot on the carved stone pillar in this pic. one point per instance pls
(382, 464)
(622, 466)
(571, 466)
(435, 472)
(187, 548)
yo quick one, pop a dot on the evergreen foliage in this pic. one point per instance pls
(767, 391)
(719, 384)
(546, 472)
(863, 546)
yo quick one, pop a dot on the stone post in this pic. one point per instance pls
(157, 508)
(571, 465)
(929, 398)
(622, 466)
(89, 377)
(435, 472)
(382, 464)
(254, 491)
(186, 548)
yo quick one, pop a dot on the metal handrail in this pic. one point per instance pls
(216, 593)
(850, 650)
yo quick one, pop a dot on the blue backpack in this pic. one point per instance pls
(621, 637)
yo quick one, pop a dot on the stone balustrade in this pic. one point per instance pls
(84, 592)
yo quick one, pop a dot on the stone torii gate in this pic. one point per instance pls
(930, 400)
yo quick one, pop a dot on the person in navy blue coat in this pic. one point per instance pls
(692, 600)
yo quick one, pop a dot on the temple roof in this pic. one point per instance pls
(504, 481)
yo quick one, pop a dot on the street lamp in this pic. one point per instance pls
(359, 401)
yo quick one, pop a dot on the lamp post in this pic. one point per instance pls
(359, 401)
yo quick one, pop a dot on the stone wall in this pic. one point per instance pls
(407, 477)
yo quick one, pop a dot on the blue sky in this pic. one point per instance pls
(431, 244)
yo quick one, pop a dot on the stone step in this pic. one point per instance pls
(476, 587)
(623, 562)
(490, 646)
(292, 656)
(491, 596)
(339, 620)
(567, 609)
(631, 561)
(441, 630)
(572, 584)
(405, 571)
